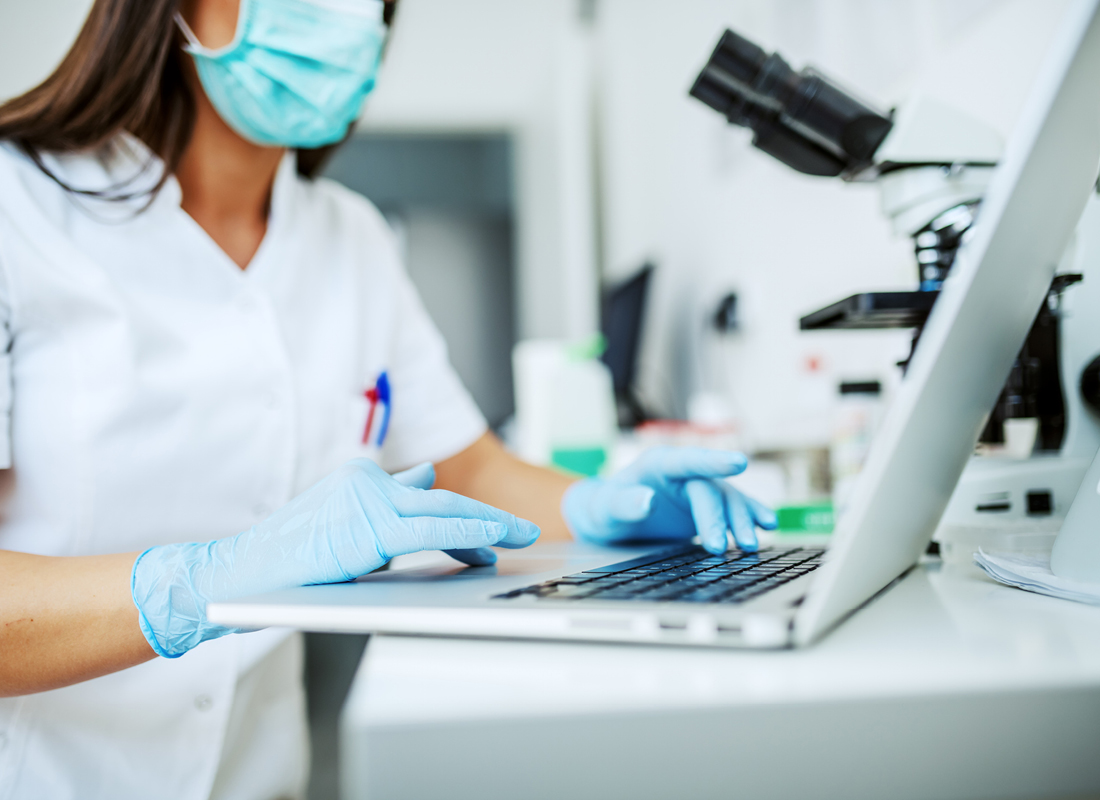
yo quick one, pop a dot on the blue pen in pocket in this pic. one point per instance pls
(378, 395)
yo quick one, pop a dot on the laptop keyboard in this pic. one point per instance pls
(683, 576)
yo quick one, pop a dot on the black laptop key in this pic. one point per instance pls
(641, 561)
(752, 567)
(698, 580)
(736, 580)
(571, 592)
(709, 592)
(752, 573)
(666, 592)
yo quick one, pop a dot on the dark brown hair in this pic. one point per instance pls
(125, 72)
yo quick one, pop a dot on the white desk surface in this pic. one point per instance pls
(942, 633)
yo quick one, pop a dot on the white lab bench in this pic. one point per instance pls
(946, 686)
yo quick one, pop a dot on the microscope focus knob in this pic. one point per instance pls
(1090, 384)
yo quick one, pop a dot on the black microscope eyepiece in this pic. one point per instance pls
(800, 118)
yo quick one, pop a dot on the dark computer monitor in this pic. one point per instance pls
(622, 312)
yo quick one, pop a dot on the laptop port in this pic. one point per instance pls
(1040, 503)
(994, 503)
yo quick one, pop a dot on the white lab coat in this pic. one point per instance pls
(152, 392)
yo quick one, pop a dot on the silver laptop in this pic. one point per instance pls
(781, 598)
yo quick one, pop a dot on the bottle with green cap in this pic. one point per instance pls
(565, 404)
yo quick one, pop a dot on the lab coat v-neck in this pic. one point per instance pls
(153, 392)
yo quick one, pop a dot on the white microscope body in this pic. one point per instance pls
(1013, 497)
(994, 503)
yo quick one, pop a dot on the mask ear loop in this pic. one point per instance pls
(193, 42)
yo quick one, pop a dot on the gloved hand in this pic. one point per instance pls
(668, 494)
(350, 523)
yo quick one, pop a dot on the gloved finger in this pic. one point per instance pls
(630, 503)
(440, 533)
(708, 509)
(422, 476)
(743, 521)
(762, 515)
(478, 557)
(526, 535)
(685, 463)
(438, 503)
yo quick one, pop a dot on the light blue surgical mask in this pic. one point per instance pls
(297, 72)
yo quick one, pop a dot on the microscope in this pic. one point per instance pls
(931, 164)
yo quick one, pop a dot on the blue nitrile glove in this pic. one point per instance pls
(668, 494)
(350, 523)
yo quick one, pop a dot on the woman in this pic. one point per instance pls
(204, 345)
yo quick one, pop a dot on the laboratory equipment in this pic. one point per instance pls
(802, 119)
(932, 165)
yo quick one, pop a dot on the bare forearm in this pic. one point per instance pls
(65, 620)
(486, 472)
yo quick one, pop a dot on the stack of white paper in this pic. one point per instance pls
(1033, 574)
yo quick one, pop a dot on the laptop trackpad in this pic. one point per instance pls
(460, 572)
(556, 558)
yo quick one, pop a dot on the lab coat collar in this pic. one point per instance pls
(126, 166)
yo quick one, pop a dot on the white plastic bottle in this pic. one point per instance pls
(565, 404)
